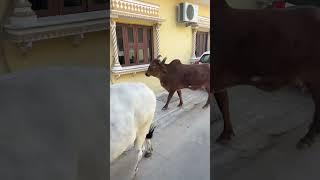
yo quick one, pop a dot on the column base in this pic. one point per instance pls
(117, 67)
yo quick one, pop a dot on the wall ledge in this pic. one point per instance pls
(118, 71)
(135, 9)
(204, 23)
(23, 33)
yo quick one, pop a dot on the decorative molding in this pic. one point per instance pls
(116, 65)
(133, 9)
(22, 13)
(128, 15)
(130, 70)
(57, 26)
(204, 23)
(156, 39)
(194, 39)
(134, 6)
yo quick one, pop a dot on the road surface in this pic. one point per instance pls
(181, 143)
(267, 127)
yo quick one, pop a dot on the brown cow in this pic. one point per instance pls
(268, 49)
(176, 76)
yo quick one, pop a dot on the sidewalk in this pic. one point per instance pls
(191, 100)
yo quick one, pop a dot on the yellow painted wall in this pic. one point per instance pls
(204, 9)
(92, 51)
(175, 40)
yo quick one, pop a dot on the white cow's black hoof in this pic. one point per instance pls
(147, 154)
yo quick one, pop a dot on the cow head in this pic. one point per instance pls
(157, 67)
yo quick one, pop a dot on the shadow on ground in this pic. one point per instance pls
(267, 127)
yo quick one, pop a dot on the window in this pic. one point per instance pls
(61, 7)
(201, 43)
(134, 44)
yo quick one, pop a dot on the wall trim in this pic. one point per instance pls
(58, 26)
(130, 69)
(128, 15)
(204, 23)
(24, 27)
(134, 9)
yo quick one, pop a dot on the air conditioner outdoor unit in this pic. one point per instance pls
(187, 12)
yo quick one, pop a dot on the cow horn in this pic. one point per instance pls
(164, 60)
(159, 56)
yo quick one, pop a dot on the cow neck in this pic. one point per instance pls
(162, 74)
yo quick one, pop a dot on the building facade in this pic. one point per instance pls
(141, 30)
(37, 33)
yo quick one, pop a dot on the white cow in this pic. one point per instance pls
(132, 108)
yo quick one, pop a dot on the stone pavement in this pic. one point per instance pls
(181, 142)
(192, 100)
(267, 128)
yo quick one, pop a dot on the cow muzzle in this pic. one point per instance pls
(148, 75)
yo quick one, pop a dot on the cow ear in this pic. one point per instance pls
(164, 60)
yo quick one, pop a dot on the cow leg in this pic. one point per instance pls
(168, 100)
(137, 160)
(223, 103)
(149, 148)
(180, 97)
(314, 128)
(138, 146)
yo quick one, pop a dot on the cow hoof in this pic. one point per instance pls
(304, 143)
(147, 154)
(179, 105)
(164, 108)
(222, 141)
(225, 137)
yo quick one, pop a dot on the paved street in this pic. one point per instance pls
(181, 142)
(267, 127)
